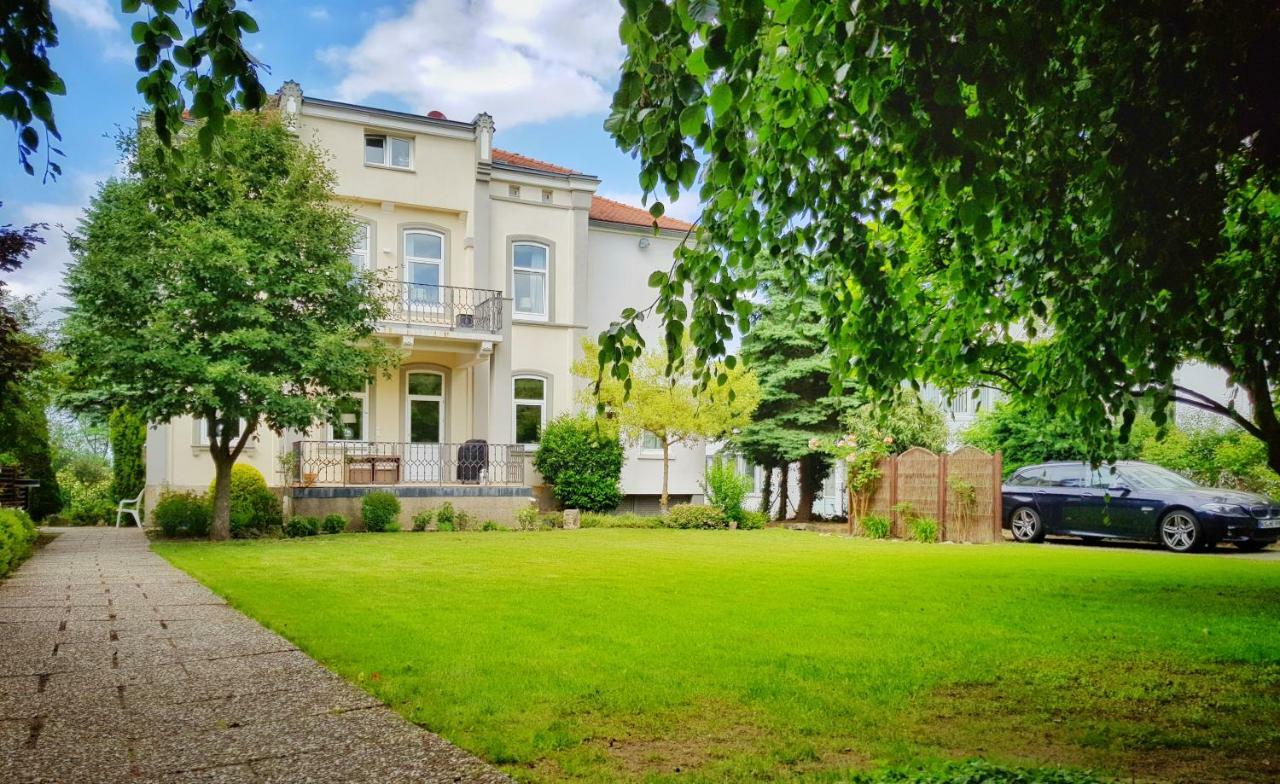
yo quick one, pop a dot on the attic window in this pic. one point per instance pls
(513, 191)
(547, 195)
(383, 150)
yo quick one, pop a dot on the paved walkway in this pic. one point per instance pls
(115, 666)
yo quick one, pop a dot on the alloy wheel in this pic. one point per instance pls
(1025, 525)
(1178, 532)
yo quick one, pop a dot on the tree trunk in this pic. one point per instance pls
(810, 481)
(784, 478)
(666, 474)
(766, 493)
(221, 527)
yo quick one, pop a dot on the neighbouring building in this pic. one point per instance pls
(495, 266)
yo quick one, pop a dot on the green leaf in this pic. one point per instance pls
(657, 278)
(860, 95)
(721, 99)
(657, 209)
(691, 119)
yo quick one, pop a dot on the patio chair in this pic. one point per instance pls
(129, 506)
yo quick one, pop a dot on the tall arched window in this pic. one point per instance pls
(423, 266)
(530, 279)
(529, 401)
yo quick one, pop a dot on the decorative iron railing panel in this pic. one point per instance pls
(442, 306)
(347, 463)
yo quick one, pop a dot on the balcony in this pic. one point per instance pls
(445, 307)
(320, 464)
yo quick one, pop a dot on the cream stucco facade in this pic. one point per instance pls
(496, 267)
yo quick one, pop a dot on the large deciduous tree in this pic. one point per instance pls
(19, 351)
(787, 351)
(1064, 198)
(219, 287)
(206, 63)
(658, 398)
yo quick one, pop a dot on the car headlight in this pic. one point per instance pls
(1225, 509)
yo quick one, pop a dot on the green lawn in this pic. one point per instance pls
(722, 656)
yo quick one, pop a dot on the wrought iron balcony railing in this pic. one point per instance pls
(444, 306)
(357, 463)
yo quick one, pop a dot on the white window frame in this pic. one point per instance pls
(410, 397)
(202, 433)
(363, 253)
(516, 402)
(546, 281)
(363, 397)
(408, 259)
(650, 450)
(387, 140)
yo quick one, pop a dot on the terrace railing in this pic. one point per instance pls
(442, 306)
(362, 463)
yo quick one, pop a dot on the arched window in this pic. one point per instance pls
(423, 266)
(530, 279)
(360, 249)
(529, 401)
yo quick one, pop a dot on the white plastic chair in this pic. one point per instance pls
(129, 506)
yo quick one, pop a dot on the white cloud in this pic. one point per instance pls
(41, 274)
(520, 61)
(318, 13)
(94, 14)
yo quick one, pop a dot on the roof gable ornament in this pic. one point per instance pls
(291, 104)
(484, 136)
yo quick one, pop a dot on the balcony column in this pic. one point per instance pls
(500, 412)
(482, 264)
(481, 373)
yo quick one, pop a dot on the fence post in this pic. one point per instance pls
(942, 497)
(997, 500)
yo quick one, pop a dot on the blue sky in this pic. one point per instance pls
(545, 70)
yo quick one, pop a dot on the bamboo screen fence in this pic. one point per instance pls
(960, 490)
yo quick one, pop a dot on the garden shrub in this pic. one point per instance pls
(333, 524)
(462, 520)
(445, 518)
(17, 539)
(752, 520)
(490, 525)
(302, 526)
(380, 511)
(581, 458)
(528, 518)
(255, 510)
(696, 516)
(726, 489)
(626, 520)
(182, 514)
(128, 435)
(924, 529)
(876, 526)
(423, 520)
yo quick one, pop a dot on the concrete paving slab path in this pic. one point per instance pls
(117, 667)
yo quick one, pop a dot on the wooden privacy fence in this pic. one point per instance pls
(937, 486)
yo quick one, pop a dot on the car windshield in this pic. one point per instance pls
(1150, 477)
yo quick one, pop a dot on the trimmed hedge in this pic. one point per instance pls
(696, 516)
(255, 510)
(17, 539)
(581, 458)
(182, 514)
(302, 526)
(333, 524)
(380, 511)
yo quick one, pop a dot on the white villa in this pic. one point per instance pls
(496, 266)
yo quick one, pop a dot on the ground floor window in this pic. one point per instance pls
(529, 396)
(350, 420)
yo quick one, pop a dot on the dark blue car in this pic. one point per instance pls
(1132, 500)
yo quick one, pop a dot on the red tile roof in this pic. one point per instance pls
(602, 209)
(611, 211)
(516, 159)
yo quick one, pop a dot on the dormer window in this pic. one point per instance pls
(383, 150)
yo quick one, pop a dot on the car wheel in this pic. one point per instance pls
(1180, 532)
(1026, 525)
(1251, 545)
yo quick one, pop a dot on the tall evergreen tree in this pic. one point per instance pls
(787, 349)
